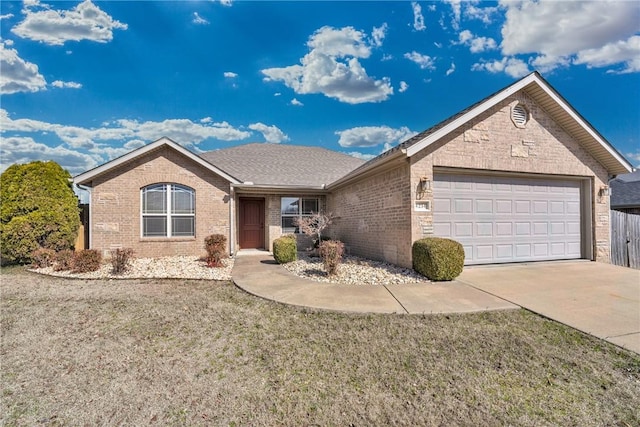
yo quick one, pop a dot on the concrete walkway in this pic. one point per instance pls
(600, 299)
(257, 273)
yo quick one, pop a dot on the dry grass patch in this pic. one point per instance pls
(154, 352)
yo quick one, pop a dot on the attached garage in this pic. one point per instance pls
(500, 219)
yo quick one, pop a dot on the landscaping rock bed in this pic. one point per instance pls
(354, 271)
(178, 267)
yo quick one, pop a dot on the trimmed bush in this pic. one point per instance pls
(331, 252)
(63, 260)
(86, 260)
(121, 260)
(437, 258)
(215, 245)
(285, 249)
(43, 258)
(38, 209)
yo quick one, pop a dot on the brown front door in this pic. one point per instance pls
(251, 223)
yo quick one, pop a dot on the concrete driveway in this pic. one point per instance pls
(600, 299)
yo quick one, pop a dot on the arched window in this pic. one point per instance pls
(168, 210)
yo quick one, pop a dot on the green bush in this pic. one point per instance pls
(43, 258)
(215, 245)
(285, 249)
(331, 252)
(438, 259)
(38, 210)
(86, 260)
(121, 260)
(63, 260)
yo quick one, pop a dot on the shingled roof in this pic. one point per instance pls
(625, 191)
(282, 164)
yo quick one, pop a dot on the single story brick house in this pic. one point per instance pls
(518, 176)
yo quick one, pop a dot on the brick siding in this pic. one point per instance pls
(115, 205)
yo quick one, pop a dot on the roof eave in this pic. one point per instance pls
(364, 169)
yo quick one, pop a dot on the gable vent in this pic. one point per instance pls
(519, 115)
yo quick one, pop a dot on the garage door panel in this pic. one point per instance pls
(508, 219)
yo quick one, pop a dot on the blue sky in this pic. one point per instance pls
(82, 83)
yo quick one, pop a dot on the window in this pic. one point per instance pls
(168, 210)
(296, 207)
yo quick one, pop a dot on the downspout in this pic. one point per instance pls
(88, 189)
(232, 222)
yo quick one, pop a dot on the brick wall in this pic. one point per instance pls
(374, 216)
(493, 142)
(115, 205)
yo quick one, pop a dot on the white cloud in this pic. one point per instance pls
(271, 133)
(561, 29)
(84, 22)
(230, 75)
(183, 131)
(546, 63)
(456, 10)
(332, 68)
(403, 87)
(476, 44)
(634, 158)
(68, 85)
(378, 34)
(513, 67)
(484, 14)
(361, 156)
(371, 136)
(199, 20)
(625, 52)
(227, 3)
(6, 16)
(25, 150)
(451, 69)
(295, 102)
(17, 74)
(424, 61)
(418, 19)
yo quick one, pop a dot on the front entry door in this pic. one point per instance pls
(251, 223)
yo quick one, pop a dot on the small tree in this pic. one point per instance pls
(38, 210)
(315, 224)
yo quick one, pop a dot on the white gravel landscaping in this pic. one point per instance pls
(178, 267)
(354, 271)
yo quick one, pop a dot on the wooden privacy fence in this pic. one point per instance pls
(625, 239)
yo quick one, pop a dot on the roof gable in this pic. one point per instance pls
(544, 95)
(87, 177)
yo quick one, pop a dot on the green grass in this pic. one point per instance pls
(76, 352)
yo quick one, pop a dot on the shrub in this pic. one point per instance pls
(86, 260)
(38, 209)
(63, 260)
(43, 257)
(331, 252)
(437, 258)
(215, 245)
(121, 260)
(285, 249)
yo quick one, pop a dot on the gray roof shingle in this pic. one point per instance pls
(625, 190)
(282, 164)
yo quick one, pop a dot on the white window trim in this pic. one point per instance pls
(168, 215)
(299, 214)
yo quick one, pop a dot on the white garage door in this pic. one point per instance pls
(505, 219)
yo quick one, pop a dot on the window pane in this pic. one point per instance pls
(153, 226)
(288, 225)
(154, 199)
(290, 205)
(182, 226)
(182, 200)
(309, 206)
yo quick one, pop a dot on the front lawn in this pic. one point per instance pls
(162, 352)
